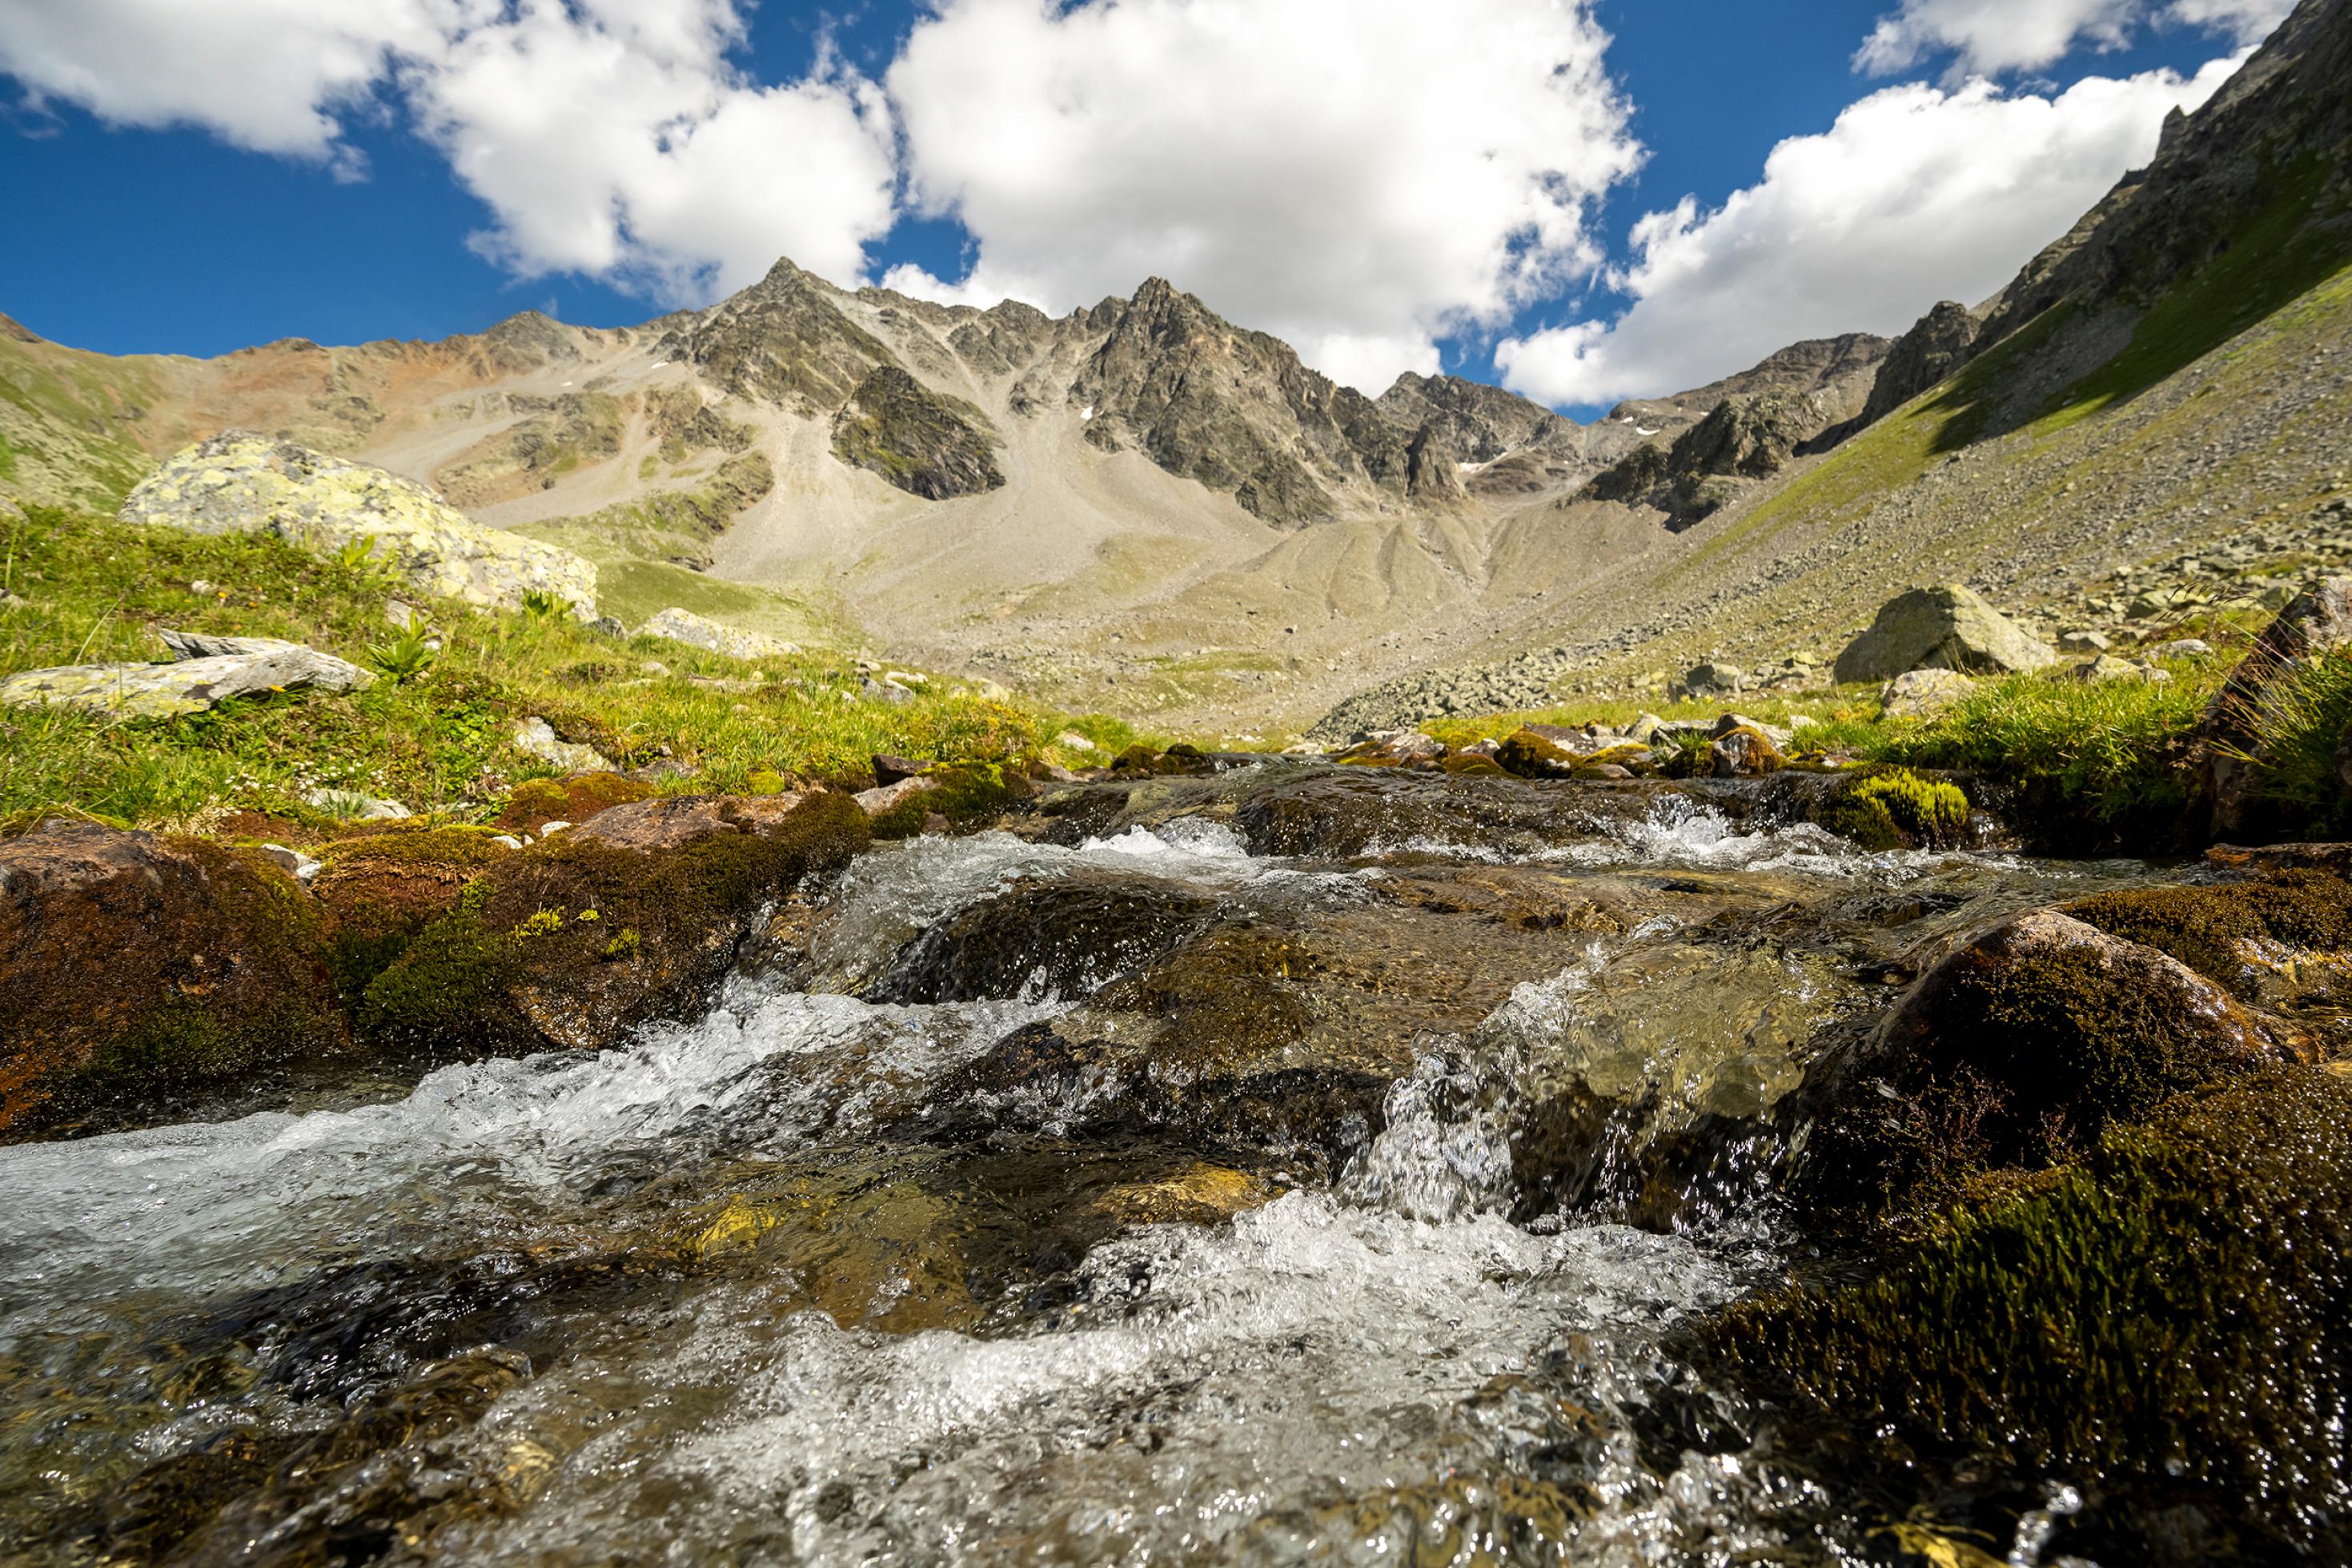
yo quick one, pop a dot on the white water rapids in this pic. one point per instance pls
(1383, 1370)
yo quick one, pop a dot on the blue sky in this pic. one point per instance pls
(168, 235)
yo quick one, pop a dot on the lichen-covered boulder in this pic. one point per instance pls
(241, 483)
(142, 970)
(534, 737)
(1947, 627)
(209, 670)
(677, 625)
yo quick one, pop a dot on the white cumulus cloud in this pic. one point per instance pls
(1916, 194)
(610, 137)
(1357, 176)
(1992, 36)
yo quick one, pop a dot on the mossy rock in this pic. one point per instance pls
(532, 804)
(2019, 1049)
(2164, 1321)
(1742, 752)
(420, 844)
(2238, 934)
(1896, 808)
(1474, 767)
(1526, 755)
(495, 976)
(143, 971)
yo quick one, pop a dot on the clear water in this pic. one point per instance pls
(735, 1312)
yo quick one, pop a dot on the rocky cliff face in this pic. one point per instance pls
(783, 341)
(2251, 194)
(1479, 422)
(926, 444)
(1934, 348)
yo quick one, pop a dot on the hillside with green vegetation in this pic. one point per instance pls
(436, 731)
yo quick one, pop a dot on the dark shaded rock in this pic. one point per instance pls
(1433, 473)
(1234, 409)
(889, 771)
(783, 341)
(923, 441)
(142, 970)
(2024, 1046)
(1936, 345)
(1744, 436)
(1477, 421)
(1066, 938)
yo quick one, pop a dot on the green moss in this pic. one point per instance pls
(967, 792)
(1474, 767)
(420, 845)
(222, 981)
(2203, 926)
(573, 800)
(2027, 1060)
(2165, 1320)
(1528, 755)
(1898, 810)
(903, 820)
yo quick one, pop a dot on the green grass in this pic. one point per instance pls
(2117, 748)
(2116, 753)
(2294, 737)
(97, 590)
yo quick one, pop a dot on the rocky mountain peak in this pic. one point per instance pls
(1479, 422)
(785, 340)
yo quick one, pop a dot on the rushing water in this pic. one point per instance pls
(799, 1282)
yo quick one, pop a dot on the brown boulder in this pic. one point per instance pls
(579, 939)
(674, 822)
(142, 970)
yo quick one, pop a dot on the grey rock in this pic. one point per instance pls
(190, 683)
(535, 736)
(299, 866)
(353, 807)
(1946, 627)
